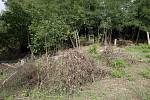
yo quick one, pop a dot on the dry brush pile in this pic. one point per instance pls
(70, 71)
(64, 73)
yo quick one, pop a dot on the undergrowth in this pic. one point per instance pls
(145, 73)
(92, 50)
(118, 66)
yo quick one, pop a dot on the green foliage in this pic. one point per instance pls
(50, 33)
(145, 73)
(119, 64)
(93, 52)
(93, 49)
(40, 24)
(148, 61)
(146, 51)
(118, 73)
(147, 56)
(130, 77)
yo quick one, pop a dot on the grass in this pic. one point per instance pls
(141, 92)
(145, 73)
(3, 75)
(147, 56)
(119, 64)
(100, 90)
(92, 50)
(130, 77)
(118, 73)
(146, 51)
(143, 48)
(148, 61)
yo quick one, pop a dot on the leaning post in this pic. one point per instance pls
(148, 38)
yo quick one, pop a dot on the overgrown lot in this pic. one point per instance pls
(88, 74)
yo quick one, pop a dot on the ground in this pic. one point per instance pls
(134, 84)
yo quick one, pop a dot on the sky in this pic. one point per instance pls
(2, 6)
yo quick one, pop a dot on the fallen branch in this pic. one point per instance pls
(8, 78)
(8, 65)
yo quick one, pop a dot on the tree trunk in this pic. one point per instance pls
(138, 36)
(148, 38)
(76, 40)
(98, 36)
(72, 42)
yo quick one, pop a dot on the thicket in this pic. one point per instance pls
(38, 26)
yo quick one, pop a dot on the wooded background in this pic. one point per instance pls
(37, 26)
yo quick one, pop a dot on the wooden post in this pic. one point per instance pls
(115, 42)
(148, 38)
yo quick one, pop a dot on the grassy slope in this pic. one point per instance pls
(134, 86)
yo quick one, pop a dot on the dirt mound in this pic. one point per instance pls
(70, 71)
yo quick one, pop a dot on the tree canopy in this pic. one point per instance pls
(38, 24)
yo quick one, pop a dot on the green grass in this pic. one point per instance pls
(130, 77)
(146, 51)
(92, 50)
(148, 61)
(147, 56)
(119, 64)
(145, 73)
(2, 75)
(143, 48)
(118, 73)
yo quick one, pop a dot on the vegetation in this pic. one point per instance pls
(92, 50)
(145, 73)
(63, 49)
(57, 24)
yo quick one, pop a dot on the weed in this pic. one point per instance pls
(148, 61)
(3, 75)
(119, 63)
(145, 73)
(146, 51)
(93, 49)
(118, 73)
(130, 78)
(147, 56)
(139, 48)
(93, 52)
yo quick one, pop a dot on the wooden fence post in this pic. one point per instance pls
(148, 38)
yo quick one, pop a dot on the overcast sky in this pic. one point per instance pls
(2, 7)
